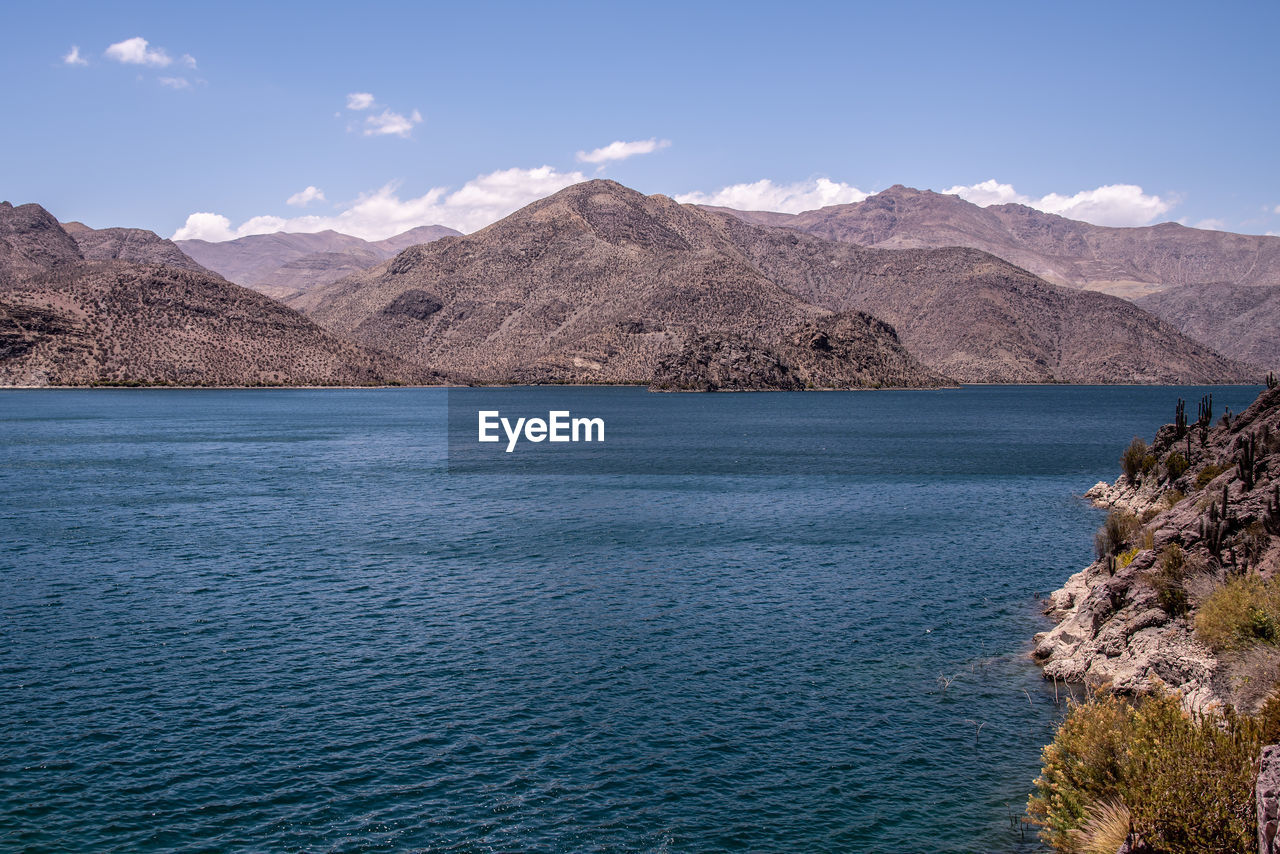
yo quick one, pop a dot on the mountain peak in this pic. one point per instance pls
(32, 239)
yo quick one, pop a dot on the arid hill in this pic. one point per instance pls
(1127, 262)
(282, 264)
(599, 283)
(68, 321)
(975, 317)
(1242, 321)
(129, 244)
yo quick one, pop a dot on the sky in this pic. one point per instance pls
(215, 120)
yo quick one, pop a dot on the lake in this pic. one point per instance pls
(308, 620)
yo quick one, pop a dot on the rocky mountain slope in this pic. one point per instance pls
(1241, 321)
(1200, 510)
(65, 320)
(282, 264)
(129, 244)
(1128, 262)
(599, 283)
(977, 318)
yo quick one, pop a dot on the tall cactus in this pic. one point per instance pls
(1246, 462)
(1204, 413)
(1180, 419)
(1271, 518)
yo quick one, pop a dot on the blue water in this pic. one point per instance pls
(273, 620)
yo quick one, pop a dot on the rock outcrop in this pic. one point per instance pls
(1125, 620)
(842, 352)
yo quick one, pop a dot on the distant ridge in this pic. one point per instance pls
(1128, 262)
(68, 320)
(285, 263)
(598, 283)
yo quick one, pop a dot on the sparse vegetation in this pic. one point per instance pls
(1208, 473)
(1168, 579)
(1176, 465)
(1243, 611)
(1136, 460)
(1119, 527)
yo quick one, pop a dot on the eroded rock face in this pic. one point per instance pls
(1112, 629)
(1268, 800)
(414, 304)
(839, 352)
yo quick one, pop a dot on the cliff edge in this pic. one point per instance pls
(1185, 562)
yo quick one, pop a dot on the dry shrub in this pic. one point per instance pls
(1105, 829)
(1168, 579)
(1119, 527)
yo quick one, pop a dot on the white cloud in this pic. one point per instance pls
(189, 61)
(137, 51)
(1212, 224)
(205, 226)
(382, 213)
(1277, 210)
(1112, 204)
(302, 198)
(764, 195)
(175, 82)
(74, 57)
(388, 123)
(359, 101)
(619, 150)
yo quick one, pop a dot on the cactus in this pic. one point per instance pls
(1271, 379)
(1271, 518)
(1204, 413)
(1180, 419)
(1247, 462)
(1226, 418)
(1217, 525)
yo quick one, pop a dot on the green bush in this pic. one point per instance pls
(1136, 460)
(1240, 613)
(1187, 781)
(1176, 465)
(1208, 473)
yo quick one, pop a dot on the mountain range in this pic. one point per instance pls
(601, 284)
(598, 282)
(282, 264)
(1126, 262)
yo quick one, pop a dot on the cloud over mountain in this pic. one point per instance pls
(1111, 204)
(764, 195)
(382, 213)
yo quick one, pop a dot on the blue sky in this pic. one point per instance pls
(229, 109)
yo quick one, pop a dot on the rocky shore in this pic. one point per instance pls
(1196, 508)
